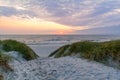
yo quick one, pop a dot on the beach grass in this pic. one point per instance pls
(13, 45)
(4, 60)
(103, 52)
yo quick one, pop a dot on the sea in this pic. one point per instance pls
(43, 45)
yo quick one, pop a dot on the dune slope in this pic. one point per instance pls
(65, 68)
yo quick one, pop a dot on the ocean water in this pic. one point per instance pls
(56, 39)
(43, 45)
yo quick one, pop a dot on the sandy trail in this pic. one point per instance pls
(66, 68)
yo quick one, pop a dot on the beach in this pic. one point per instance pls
(44, 50)
(62, 68)
(65, 68)
(59, 39)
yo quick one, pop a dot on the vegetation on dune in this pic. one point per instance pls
(58, 51)
(1, 77)
(4, 59)
(103, 52)
(61, 50)
(79, 47)
(12, 45)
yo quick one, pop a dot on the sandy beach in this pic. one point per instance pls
(65, 68)
(44, 50)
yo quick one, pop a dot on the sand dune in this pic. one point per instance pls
(66, 68)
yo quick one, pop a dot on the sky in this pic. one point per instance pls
(57, 16)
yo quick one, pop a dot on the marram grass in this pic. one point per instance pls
(103, 52)
(12, 45)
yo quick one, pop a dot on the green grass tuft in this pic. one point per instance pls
(96, 51)
(58, 51)
(12, 45)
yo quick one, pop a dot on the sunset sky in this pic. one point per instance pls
(57, 16)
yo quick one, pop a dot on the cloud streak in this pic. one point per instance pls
(74, 13)
(11, 11)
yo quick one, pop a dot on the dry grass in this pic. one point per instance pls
(1, 77)
(4, 60)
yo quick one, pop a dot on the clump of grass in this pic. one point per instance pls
(1, 77)
(12, 45)
(4, 60)
(79, 47)
(62, 50)
(97, 51)
(58, 51)
(83, 46)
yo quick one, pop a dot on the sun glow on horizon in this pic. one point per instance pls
(18, 25)
(61, 33)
